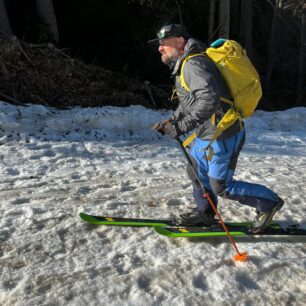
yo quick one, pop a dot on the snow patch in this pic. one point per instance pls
(56, 164)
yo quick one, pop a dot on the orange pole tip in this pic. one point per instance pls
(241, 256)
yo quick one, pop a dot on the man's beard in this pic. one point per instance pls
(170, 59)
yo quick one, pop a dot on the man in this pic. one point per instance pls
(196, 109)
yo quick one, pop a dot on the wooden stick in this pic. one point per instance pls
(12, 100)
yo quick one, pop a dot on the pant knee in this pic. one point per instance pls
(219, 187)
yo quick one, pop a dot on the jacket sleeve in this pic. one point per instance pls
(178, 114)
(201, 77)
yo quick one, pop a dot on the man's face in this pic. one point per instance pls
(171, 49)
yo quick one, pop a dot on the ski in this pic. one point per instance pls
(171, 228)
(235, 229)
(122, 221)
(102, 220)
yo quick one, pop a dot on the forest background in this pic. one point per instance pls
(95, 52)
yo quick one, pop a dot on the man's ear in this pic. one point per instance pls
(182, 42)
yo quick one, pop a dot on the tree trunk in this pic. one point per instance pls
(302, 57)
(246, 25)
(211, 23)
(224, 18)
(46, 13)
(5, 26)
(179, 12)
(273, 41)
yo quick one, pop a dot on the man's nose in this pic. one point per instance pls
(160, 48)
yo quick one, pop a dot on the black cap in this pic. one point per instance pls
(171, 30)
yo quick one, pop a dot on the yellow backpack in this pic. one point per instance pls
(241, 78)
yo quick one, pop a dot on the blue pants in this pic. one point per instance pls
(217, 174)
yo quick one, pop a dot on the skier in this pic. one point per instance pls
(200, 109)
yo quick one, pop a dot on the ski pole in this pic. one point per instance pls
(240, 256)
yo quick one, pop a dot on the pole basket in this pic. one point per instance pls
(241, 256)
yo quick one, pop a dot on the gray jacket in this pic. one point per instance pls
(206, 87)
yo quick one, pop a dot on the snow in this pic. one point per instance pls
(56, 164)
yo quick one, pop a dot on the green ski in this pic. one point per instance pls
(102, 220)
(121, 221)
(235, 229)
(170, 228)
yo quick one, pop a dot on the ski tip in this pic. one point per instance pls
(241, 256)
(82, 215)
(87, 218)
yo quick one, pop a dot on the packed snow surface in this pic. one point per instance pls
(107, 161)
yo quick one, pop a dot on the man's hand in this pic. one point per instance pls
(167, 127)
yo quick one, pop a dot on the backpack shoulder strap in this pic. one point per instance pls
(186, 59)
(182, 79)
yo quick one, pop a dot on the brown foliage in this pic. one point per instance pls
(46, 75)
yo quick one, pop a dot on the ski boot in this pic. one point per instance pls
(196, 218)
(264, 218)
